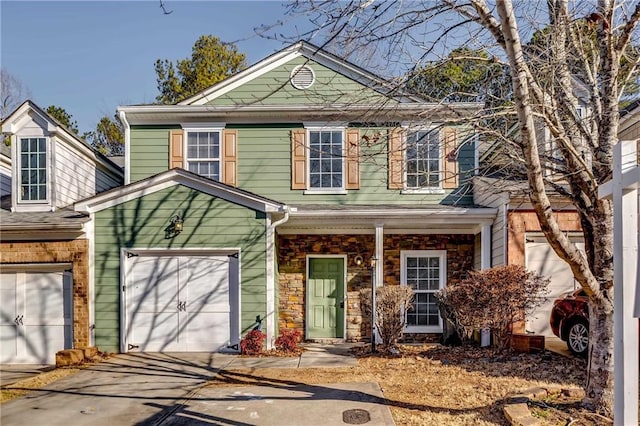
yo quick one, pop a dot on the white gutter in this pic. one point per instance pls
(271, 317)
(127, 146)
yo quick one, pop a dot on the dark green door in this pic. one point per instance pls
(325, 298)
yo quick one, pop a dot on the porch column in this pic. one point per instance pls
(485, 247)
(380, 254)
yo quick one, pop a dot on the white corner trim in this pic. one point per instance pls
(270, 296)
(127, 147)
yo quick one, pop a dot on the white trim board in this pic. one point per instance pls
(171, 178)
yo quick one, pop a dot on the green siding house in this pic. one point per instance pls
(269, 199)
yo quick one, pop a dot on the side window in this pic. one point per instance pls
(33, 170)
(203, 153)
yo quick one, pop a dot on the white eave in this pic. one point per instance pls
(163, 114)
(171, 178)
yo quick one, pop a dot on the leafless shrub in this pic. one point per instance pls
(495, 299)
(391, 304)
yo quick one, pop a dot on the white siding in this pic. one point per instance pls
(105, 181)
(75, 176)
(487, 195)
(5, 181)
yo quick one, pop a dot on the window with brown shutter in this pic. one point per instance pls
(298, 159)
(176, 149)
(230, 157)
(353, 159)
(396, 159)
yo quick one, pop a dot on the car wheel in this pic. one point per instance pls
(578, 338)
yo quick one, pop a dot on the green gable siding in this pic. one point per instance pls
(209, 222)
(274, 88)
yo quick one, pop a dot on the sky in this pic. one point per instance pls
(88, 57)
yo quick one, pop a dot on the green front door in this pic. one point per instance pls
(325, 298)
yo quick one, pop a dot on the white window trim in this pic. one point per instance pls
(185, 146)
(326, 191)
(17, 182)
(427, 189)
(442, 255)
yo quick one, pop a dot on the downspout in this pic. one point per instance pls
(271, 278)
(127, 147)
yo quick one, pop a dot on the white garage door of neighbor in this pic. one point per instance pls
(35, 315)
(541, 259)
(180, 303)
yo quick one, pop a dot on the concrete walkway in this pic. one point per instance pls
(10, 374)
(169, 389)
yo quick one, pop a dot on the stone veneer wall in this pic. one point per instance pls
(75, 252)
(293, 249)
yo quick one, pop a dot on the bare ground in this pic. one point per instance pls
(437, 385)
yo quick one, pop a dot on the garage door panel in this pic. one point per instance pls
(8, 343)
(207, 331)
(179, 303)
(45, 293)
(542, 259)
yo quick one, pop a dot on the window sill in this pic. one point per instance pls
(23, 207)
(325, 192)
(422, 191)
(425, 330)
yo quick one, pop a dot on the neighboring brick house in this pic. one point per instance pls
(516, 235)
(302, 169)
(45, 251)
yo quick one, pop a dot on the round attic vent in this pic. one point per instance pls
(302, 77)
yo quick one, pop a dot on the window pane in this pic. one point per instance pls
(423, 159)
(325, 159)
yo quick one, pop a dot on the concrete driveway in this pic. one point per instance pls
(168, 389)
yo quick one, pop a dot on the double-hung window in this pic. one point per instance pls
(425, 272)
(203, 153)
(33, 170)
(423, 156)
(326, 159)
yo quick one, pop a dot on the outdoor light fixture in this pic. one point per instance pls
(175, 226)
(358, 260)
(176, 222)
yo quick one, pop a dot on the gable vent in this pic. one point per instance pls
(302, 77)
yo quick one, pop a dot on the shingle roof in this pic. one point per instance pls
(65, 218)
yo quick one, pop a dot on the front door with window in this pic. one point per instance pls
(325, 298)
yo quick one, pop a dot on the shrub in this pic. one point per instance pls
(252, 343)
(495, 299)
(392, 302)
(288, 340)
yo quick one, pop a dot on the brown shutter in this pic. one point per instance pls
(353, 159)
(298, 159)
(230, 157)
(176, 149)
(450, 160)
(396, 159)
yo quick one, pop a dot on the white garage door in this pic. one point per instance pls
(541, 259)
(180, 303)
(35, 315)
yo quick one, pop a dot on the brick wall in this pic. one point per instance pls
(293, 249)
(75, 252)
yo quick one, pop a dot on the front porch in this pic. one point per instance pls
(424, 248)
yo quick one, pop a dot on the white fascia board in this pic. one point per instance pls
(470, 215)
(243, 77)
(168, 179)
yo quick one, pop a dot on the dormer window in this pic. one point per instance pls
(33, 178)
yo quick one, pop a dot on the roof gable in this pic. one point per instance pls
(171, 178)
(29, 111)
(335, 78)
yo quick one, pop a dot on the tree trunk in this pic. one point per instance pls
(599, 388)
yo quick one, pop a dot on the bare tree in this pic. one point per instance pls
(560, 54)
(12, 93)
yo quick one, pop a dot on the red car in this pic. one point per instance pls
(570, 321)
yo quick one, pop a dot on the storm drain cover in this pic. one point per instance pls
(356, 416)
